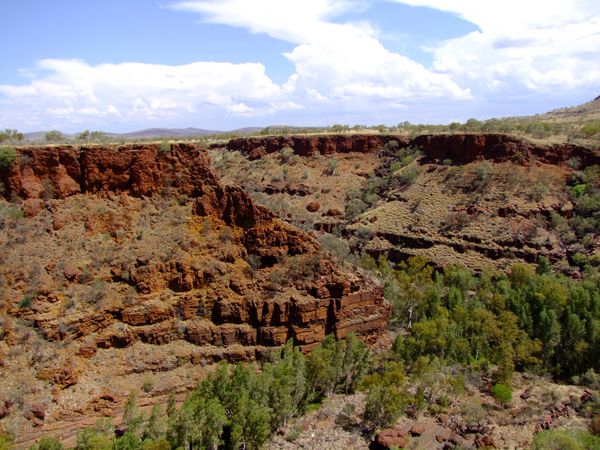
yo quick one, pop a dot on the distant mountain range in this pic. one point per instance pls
(163, 133)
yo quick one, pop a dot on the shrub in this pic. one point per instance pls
(26, 302)
(285, 154)
(165, 147)
(502, 393)
(591, 128)
(408, 176)
(564, 440)
(48, 443)
(147, 385)
(332, 164)
(386, 395)
(5, 441)
(7, 157)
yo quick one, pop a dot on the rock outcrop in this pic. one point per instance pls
(257, 147)
(325, 302)
(462, 148)
(59, 172)
(465, 148)
(143, 262)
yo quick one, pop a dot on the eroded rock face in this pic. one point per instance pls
(258, 147)
(243, 282)
(465, 148)
(59, 172)
(462, 148)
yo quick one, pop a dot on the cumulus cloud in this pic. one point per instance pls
(72, 90)
(333, 61)
(521, 46)
(342, 72)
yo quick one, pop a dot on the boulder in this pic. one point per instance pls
(313, 206)
(391, 438)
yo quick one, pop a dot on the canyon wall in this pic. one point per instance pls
(462, 148)
(327, 303)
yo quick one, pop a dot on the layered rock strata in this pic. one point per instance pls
(462, 148)
(132, 261)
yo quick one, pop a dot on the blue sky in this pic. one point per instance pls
(123, 65)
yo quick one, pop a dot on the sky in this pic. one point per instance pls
(116, 65)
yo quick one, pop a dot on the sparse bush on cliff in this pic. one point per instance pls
(332, 165)
(7, 157)
(502, 393)
(165, 147)
(285, 154)
(48, 443)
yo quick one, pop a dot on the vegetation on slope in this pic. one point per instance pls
(452, 326)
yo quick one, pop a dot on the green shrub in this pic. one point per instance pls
(595, 425)
(579, 189)
(386, 395)
(5, 441)
(48, 443)
(332, 164)
(147, 385)
(165, 147)
(565, 440)
(408, 176)
(591, 128)
(285, 154)
(502, 393)
(26, 302)
(7, 157)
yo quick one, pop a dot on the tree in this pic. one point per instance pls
(92, 439)
(250, 424)
(386, 395)
(54, 136)
(48, 443)
(84, 136)
(131, 419)
(549, 333)
(285, 385)
(7, 157)
(200, 423)
(10, 135)
(156, 425)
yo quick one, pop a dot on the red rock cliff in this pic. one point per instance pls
(462, 148)
(324, 302)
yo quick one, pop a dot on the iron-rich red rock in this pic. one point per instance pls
(391, 438)
(462, 148)
(313, 206)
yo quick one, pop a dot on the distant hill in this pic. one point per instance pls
(585, 111)
(164, 133)
(167, 132)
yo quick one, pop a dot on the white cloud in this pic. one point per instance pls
(333, 61)
(521, 46)
(342, 72)
(70, 89)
